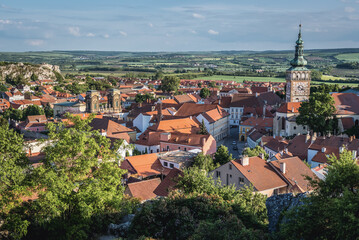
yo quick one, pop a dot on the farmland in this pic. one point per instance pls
(217, 65)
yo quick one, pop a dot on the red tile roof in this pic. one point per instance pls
(260, 174)
(168, 183)
(346, 103)
(290, 107)
(143, 190)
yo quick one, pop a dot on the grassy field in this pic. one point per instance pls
(272, 79)
(241, 78)
(328, 77)
(350, 57)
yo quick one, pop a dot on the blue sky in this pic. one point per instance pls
(176, 25)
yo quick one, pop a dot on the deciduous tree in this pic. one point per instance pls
(204, 93)
(317, 113)
(170, 84)
(222, 155)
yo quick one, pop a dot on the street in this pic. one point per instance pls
(228, 142)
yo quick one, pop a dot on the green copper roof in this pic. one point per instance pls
(299, 60)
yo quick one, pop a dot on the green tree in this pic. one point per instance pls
(204, 162)
(3, 88)
(333, 206)
(170, 84)
(13, 114)
(49, 112)
(202, 128)
(253, 152)
(32, 110)
(34, 77)
(158, 76)
(317, 113)
(81, 183)
(14, 167)
(222, 155)
(143, 97)
(212, 84)
(316, 75)
(199, 84)
(204, 93)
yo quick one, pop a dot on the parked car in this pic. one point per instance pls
(234, 142)
(235, 147)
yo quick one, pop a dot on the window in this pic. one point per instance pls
(185, 149)
(241, 180)
(171, 165)
(275, 192)
(294, 127)
(218, 174)
(230, 176)
(230, 166)
(168, 148)
(158, 150)
(179, 148)
(151, 151)
(304, 127)
(165, 164)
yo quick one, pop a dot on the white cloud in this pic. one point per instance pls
(75, 31)
(123, 33)
(106, 36)
(3, 21)
(212, 32)
(35, 42)
(90, 35)
(196, 15)
(150, 24)
(193, 31)
(349, 9)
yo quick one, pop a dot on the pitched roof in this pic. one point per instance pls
(143, 189)
(299, 145)
(188, 139)
(262, 122)
(144, 165)
(183, 125)
(346, 103)
(168, 183)
(215, 114)
(260, 174)
(193, 109)
(245, 100)
(276, 145)
(270, 98)
(184, 99)
(111, 127)
(347, 122)
(37, 119)
(295, 172)
(289, 107)
(225, 102)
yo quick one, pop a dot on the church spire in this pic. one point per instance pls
(299, 60)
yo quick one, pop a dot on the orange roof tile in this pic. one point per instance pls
(143, 190)
(260, 174)
(289, 107)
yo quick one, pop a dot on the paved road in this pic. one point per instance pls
(228, 142)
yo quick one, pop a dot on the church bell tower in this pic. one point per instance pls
(298, 76)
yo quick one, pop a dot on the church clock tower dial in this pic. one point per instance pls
(298, 76)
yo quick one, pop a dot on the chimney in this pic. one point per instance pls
(314, 137)
(264, 110)
(341, 149)
(261, 155)
(354, 152)
(257, 94)
(292, 109)
(307, 137)
(203, 141)
(286, 150)
(165, 137)
(282, 167)
(159, 111)
(245, 161)
(324, 149)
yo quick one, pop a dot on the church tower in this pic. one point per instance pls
(92, 101)
(114, 100)
(298, 76)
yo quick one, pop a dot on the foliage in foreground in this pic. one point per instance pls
(203, 209)
(332, 210)
(254, 152)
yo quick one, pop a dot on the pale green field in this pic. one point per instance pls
(351, 57)
(241, 78)
(328, 77)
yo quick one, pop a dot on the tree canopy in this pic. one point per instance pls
(253, 152)
(170, 84)
(317, 113)
(222, 155)
(333, 206)
(204, 93)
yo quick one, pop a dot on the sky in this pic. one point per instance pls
(176, 25)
